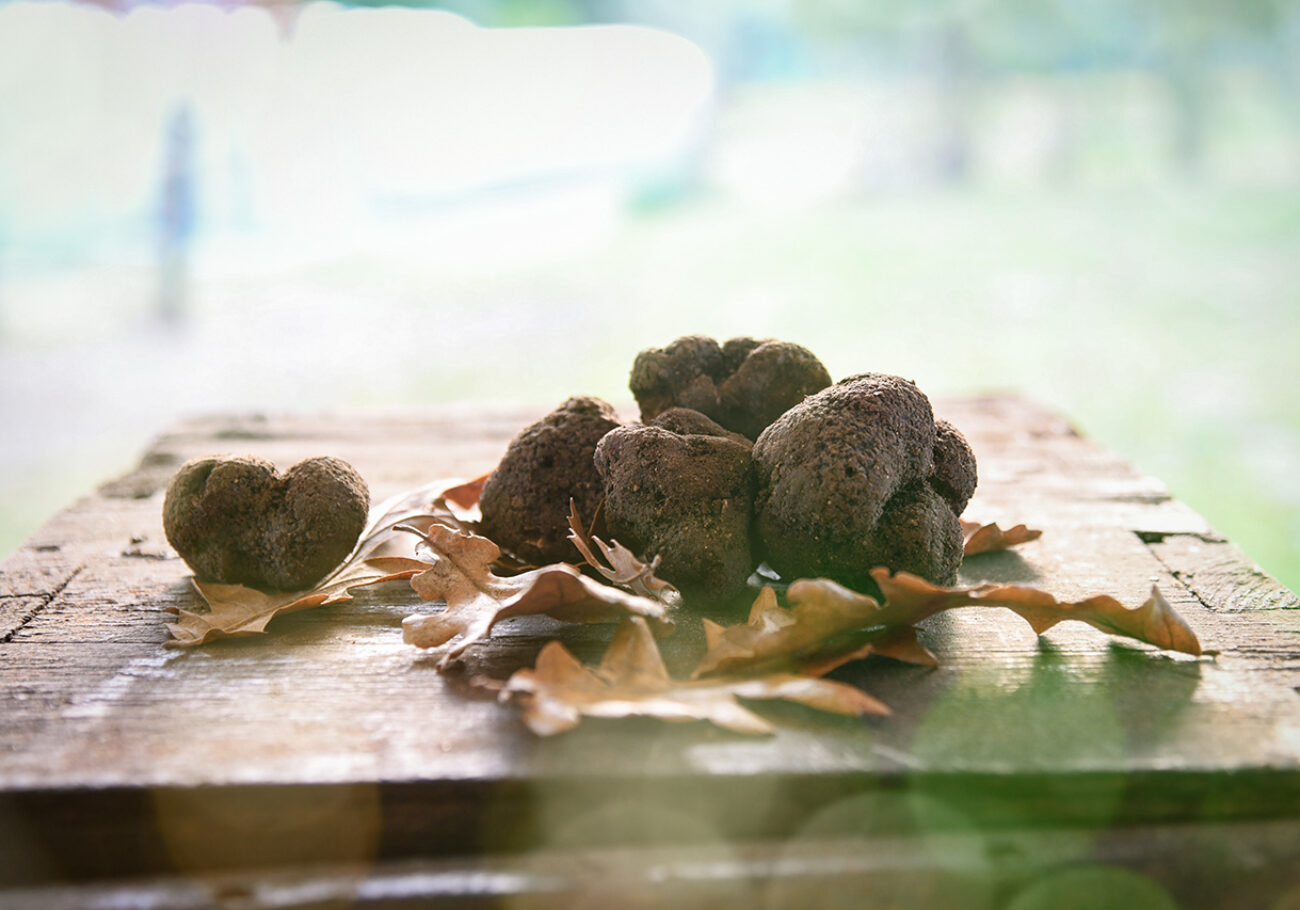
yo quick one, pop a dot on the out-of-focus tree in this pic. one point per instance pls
(932, 36)
(1188, 37)
(961, 43)
(1179, 40)
(1056, 41)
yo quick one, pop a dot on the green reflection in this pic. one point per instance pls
(1088, 887)
(1028, 748)
(885, 849)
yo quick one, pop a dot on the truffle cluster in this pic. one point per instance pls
(235, 520)
(745, 453)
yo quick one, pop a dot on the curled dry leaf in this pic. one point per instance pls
(990, 538)
(381, 554)
(633, 681)
(621, 566)
(458, 570)
(828, 624)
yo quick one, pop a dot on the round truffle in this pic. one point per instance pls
(684, 497)
(234, 520)
(847, 482)
(743, 384)
(525, 502)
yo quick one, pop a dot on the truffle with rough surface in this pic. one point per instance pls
(743, 384)
(234, 520)
(525, 502)
(860, 476)
(685, 497)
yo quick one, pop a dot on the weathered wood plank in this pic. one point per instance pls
(120, 755)
(1224, 866)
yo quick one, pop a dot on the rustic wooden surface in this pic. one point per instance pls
(329, 755)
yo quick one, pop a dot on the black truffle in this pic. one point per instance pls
(859, 476)
(525, 503)
(743, 384)
(683, 496)
(235, 520)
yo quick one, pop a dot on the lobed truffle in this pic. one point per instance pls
(235, 520)
(743, 384)
(682, 489)
(858, 476)
(525, 503)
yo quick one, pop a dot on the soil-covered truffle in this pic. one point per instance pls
(859, 476)
(685, 497)
(743, 384)
(235, 520)
(525, 503)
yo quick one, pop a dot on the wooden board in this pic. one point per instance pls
(329, 741)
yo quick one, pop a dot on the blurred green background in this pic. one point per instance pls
(318, 207)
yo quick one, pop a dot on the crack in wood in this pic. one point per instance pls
(1173, 572)
(46, 600)
(1140, 498)
(1217, 574)
(135, 553)
(1162, 536)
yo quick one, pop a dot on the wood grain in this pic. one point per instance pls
(121, 757)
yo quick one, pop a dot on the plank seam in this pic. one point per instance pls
(46, 600)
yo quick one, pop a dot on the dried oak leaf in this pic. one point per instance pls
(466, 495)
(816, 635)
(381, 554)
(633, 681)
(621, 566)
(828, 622)
(1154, 621)
(990, 538)
(421, 506)
(458, 570)
(235, 610)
